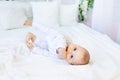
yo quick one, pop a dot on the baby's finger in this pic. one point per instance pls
(27, 40)
(28, 45)
(31, 46)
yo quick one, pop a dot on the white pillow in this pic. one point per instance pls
(68, 14)
(11, 15)
(45, 13)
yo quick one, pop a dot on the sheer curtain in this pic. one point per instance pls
(106, 18)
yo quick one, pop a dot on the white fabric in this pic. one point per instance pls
(45, 13)
(104, 59)
(68, 14)
(54, 39)
(12, 15)
(106, 18)
(41, 44)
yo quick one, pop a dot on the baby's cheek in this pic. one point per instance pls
(68, 56)
(70, 61)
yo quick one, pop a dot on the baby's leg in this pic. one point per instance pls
(21, 52)
(22, 49)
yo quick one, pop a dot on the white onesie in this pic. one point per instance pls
(53, 41)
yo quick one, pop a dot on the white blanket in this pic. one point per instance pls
(104, 63)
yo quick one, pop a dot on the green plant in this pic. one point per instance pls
(83, 8)
(80, 16)
(90, 3)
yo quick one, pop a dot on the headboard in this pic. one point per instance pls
(67, 6)
(61, 1)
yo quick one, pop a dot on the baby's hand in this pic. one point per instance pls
(29, 41)
(61, 53)
(30, 44)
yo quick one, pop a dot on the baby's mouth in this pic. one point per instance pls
(57, 51)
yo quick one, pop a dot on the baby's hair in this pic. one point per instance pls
(86, 57)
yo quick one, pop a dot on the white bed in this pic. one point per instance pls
(104, 63)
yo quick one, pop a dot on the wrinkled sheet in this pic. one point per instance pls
(104, 63)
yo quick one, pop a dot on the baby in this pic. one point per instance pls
(56, 43)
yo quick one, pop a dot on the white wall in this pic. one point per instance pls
(106, 17)
(118, 36)
(102, 15)
(117, 17)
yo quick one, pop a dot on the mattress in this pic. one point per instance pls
(104, 63)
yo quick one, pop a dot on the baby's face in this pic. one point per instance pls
(77, 55)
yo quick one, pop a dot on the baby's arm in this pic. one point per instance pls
(62, 52)
(30, 38)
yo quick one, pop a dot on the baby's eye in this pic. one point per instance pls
(71, 56)
(75, 49)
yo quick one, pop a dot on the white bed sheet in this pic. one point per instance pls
(104, 63)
